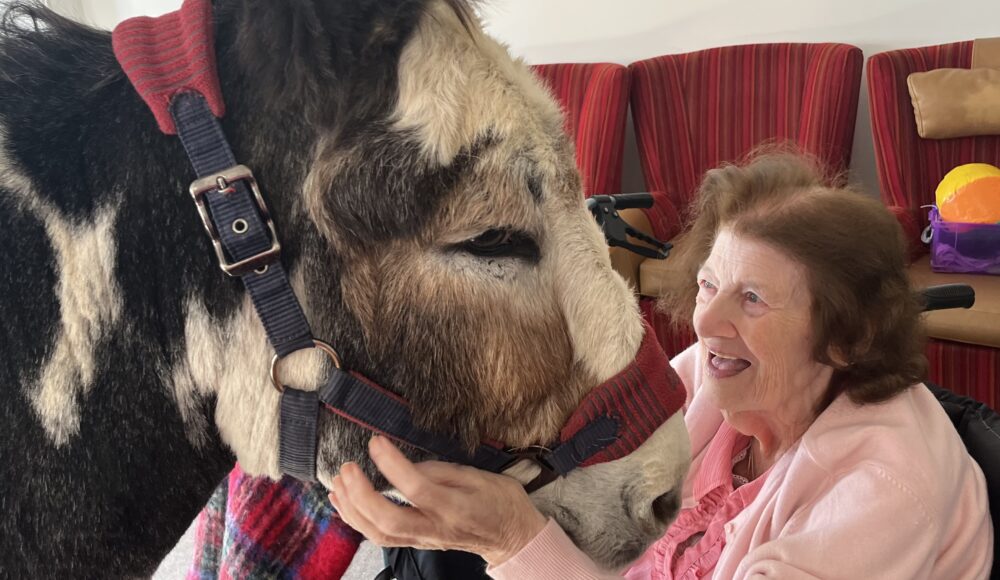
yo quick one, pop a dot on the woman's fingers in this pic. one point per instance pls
(361, 506)
(413, 482)
(454, 507)
(348, 512)
(382, 449)
(451, 474)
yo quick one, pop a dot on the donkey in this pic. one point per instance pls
(432, 222)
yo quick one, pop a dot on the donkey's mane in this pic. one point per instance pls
(34, 37)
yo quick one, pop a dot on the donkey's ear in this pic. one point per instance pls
(302, 50)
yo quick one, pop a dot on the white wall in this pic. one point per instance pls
(627, 30)
(107, 13)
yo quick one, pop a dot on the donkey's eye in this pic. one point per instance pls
(490, 240)
(502, 243)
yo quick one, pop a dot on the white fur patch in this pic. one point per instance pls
(89, 301)
(89, 305)
(231, 359)
(601, 312)
(453, 87)
(198, 370)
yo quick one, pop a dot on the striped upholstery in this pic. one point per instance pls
(697, 110)
(967, 369)
(594, 97)
(255, 527)
(909, 170)
(694, 111)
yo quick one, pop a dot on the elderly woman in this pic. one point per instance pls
(816, 451)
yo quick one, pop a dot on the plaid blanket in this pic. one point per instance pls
(258, 528)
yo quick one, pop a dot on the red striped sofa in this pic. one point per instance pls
(594, 98)
(964, 350)
(697, 110)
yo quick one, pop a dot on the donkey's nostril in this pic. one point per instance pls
(665, 507)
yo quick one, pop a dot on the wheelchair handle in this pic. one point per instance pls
(947, 296)
(618, 232)
(621, 201)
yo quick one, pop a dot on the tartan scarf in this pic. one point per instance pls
(255, 527)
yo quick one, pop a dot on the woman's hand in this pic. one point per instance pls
(453, 507)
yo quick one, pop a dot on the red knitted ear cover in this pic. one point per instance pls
(641, 397)
(171, 54)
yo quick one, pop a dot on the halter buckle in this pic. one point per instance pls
(222, 182)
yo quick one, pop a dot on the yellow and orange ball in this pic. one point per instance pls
(970, 194)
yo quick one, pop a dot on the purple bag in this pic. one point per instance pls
(960, 247)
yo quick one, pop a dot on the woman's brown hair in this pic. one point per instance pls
(865, 316)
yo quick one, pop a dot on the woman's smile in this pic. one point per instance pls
(721, 366)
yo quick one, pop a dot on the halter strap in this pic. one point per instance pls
(170, 61)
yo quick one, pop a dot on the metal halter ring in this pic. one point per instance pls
(319, 344)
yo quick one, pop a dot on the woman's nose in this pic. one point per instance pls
(714, 319)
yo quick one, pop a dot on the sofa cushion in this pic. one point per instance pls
(986, 53)
(978, 325)
(954, 102)
(653, 275)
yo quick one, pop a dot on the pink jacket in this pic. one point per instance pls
(882, 491)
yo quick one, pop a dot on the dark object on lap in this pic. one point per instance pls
(413, 564)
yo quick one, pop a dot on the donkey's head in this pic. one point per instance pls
(443, 247)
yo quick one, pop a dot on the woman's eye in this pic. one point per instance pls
(752, 298)
(502, 243)
(706, 284)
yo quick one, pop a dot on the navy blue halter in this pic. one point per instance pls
(175, 75)
(238, 222)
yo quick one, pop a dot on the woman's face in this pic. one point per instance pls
(753, 317)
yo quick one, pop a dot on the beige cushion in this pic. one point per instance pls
(986, 53)
(954, 102)
(977, 325)
(654, 273)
